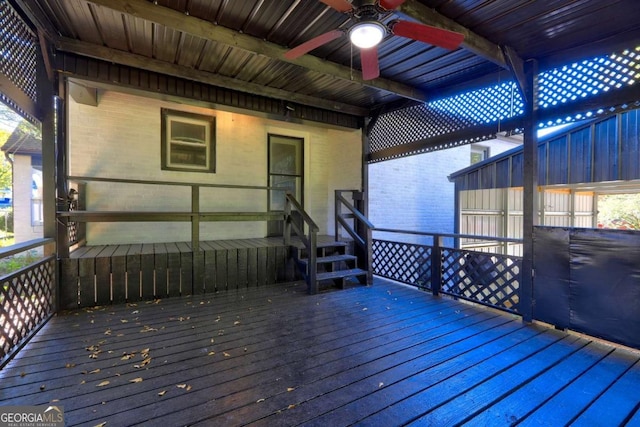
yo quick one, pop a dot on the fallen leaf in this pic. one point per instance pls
(162, 393)
(144, 363)
(237, 322)
(103, 383)
(42, 387)
(188, 387)
(136, 380)
(365, 309)
(127, 356)
(380, 385)
(226, 354)
(181, 386)
(290, 388)
(95, 371)
(145, 351)
(259, 400)
(69, 365)
(124, 321)
(211, 353)
(291, 406)
(101, 424)
(147, 329)
(23, 374)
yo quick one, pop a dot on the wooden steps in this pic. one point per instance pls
(333, 264)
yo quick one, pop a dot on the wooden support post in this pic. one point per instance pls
(436, 265)
(197, 265)
(312, 267)
(530, 195)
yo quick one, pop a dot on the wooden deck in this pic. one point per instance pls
(114, 274)
(382, 355)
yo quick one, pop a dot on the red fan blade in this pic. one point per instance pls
(428, 34)
(315, 42)
(369, 60)
(339, 5)
(391, 4)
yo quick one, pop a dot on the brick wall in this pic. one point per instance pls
(413, 193)
(121, 138)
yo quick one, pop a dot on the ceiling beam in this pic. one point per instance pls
(206, 30)
(162, 67)
(472, 41)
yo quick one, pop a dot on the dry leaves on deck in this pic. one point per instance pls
(103, 383)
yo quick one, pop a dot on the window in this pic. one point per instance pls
(479, 153)
(188, 141)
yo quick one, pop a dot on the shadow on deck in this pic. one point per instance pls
(381, 355)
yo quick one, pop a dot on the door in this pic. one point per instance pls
(286, 172)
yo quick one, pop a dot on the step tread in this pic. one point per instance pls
(331, 258)
(327, 244)
(339, 274)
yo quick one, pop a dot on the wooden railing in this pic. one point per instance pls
(356, 224)
(293, 210)
(422, 259)
(75, 215)
(28, 294)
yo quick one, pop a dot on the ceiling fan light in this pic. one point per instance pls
(367, 34)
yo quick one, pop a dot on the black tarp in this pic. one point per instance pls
(588, 280)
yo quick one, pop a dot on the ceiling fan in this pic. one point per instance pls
(369, 30)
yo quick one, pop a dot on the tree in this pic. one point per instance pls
(619, 211)
(5, 166)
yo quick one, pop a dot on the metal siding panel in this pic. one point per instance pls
(558, 161)
(517, 177)
(580, 155)
(542, 164)
(606, 150)
(630, 145)
(503, 173)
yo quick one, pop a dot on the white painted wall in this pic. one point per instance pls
(23, 227)
(120, 138)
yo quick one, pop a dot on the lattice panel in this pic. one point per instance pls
(502, 101)
(26, 298)
(404, 262)
(18, 48)
(482, 277)
(72, 226)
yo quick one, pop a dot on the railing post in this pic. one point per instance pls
(436, 265)
(195, 218)
(337, 211)
(312, 267)
(287, 220)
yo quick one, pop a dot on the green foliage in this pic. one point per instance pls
(11, 264)
(8, 226)
(619, 211)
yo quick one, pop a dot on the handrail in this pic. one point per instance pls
(24, 246)
(453, 235)
(362, 236)
(175, 183)
(310, 241)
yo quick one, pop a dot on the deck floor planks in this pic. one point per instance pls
(566, 405)
(531, 396)
(616, 402)
(325, 355)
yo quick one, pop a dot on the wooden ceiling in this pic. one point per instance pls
(239, 44)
